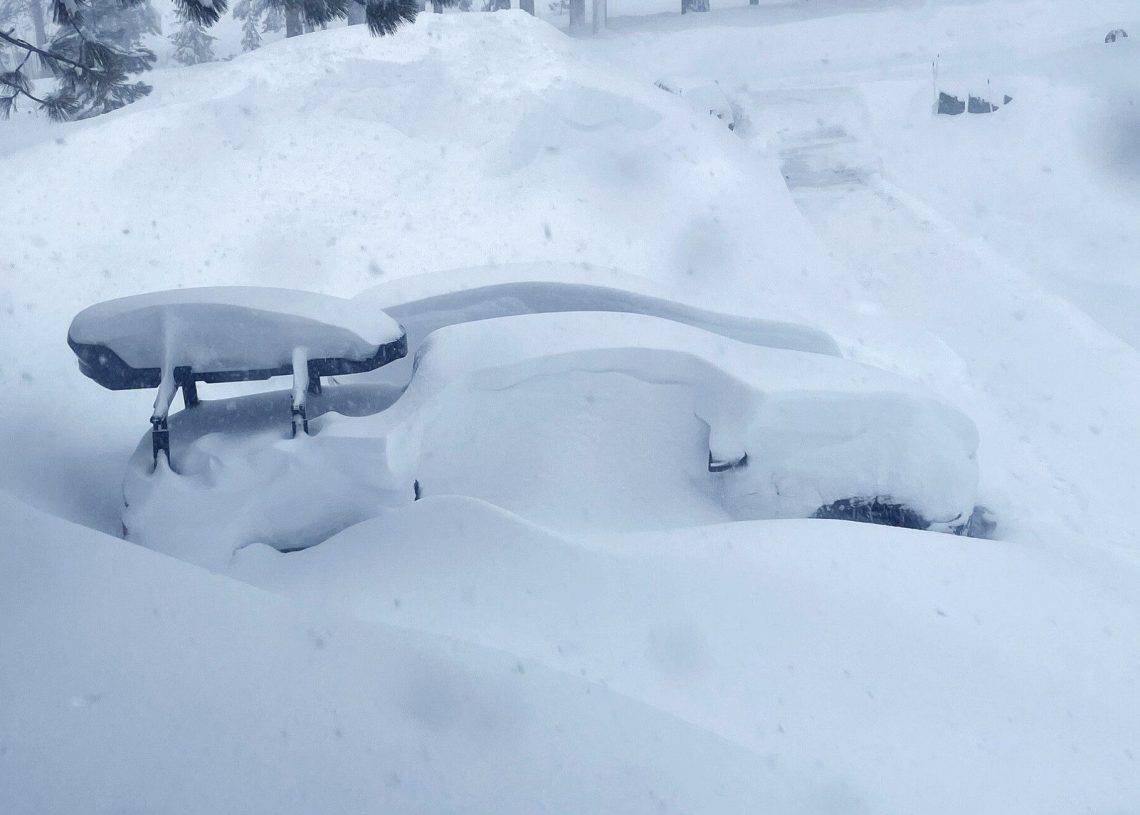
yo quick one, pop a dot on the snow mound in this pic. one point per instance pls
(912, 672)
(133, 681)
(592, 392)
(580, 421)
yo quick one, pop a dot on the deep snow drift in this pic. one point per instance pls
(447, 654)
(147, 684)
(586, 422)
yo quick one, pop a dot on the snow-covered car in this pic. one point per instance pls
(577, 406)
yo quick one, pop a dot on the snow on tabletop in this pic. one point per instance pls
(227, 328)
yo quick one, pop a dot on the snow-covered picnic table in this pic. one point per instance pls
(174, 339)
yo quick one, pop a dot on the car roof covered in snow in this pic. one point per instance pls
(226, 330)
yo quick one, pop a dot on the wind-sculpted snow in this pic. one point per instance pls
(581, 421)
(423, 303)
(133, 682)
(914, 672)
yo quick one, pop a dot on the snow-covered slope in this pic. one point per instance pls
(993, 255)
(913, 672)
(133, 682)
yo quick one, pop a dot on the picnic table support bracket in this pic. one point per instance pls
(189, 390)
(314, 387)
(160, 438)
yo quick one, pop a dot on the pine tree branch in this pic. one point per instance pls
(21, 91)
(27, 46)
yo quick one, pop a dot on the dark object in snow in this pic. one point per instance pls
(950, 105)
(704, 96)
(724, 465)
(173, 340)
(882, 510)
(981, 524)
(1116, 34)
(1007, 99)
(979, 105)
(877, 510)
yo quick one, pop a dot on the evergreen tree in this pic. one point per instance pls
(192, 44)
(258, 17)
(382, 16)
(94, 52)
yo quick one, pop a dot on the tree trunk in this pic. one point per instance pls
(437, 6)
(601, 15)
(527, 6)
(577, 16)
(355, 13)
(36, 12)
(293, 21)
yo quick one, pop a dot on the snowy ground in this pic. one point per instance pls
(451, 656)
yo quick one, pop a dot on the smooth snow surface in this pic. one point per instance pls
(150, 685)
(232, 328)
(912, 672)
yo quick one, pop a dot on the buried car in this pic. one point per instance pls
(583, 421)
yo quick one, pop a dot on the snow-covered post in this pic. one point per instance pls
(300, 387)
(159, 428)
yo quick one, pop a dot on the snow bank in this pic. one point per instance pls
(583, 421)
(132, 681)
(912, 672)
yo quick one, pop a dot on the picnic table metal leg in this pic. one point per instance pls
(190, 393)
(160, 437)
(314, 388)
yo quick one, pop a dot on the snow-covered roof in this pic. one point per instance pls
(231, 328)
